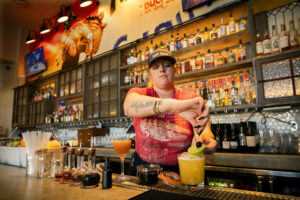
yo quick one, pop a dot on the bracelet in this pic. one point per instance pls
(158, 103)
(154, 107)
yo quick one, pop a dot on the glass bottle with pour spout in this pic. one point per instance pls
(68, 171)
(80, 171)
(59, 170)
(91, 178)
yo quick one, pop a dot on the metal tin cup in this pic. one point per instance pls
(148, 173)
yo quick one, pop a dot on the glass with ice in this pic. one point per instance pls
(192, 168)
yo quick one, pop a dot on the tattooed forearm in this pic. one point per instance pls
(141, 105)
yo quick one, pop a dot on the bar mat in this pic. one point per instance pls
(155, 195)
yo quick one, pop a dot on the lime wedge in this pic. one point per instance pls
(196, 151)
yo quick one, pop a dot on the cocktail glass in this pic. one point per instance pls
(191, 169)
(122, 148)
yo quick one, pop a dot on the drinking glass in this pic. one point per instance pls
(122, 147)
(192, 169)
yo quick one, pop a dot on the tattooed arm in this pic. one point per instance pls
(136, 105)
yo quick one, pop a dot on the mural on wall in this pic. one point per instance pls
(111, 24)
(81, 41)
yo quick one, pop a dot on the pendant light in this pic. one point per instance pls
(29, 38)
(63, 15)
(44, 28)
(85, 3)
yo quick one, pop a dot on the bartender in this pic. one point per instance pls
(166, 120)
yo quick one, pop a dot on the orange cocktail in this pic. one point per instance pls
(122, 147)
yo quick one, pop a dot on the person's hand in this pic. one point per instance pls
(193, 110)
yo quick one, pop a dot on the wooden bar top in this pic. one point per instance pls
(15, 185)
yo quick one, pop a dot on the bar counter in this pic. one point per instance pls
(15, 185)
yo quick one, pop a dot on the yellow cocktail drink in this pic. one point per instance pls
(191, 169)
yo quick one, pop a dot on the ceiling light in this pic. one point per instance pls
(63, 14)
(44, 28)
(29, 38)
(85, 3)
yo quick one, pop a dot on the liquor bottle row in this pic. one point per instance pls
(286, 40)
(210, 60)
(139, 74)
(240, 137)
(184, 41)
(66, 113)
(71, 169)
(47, 92)
(227, 90)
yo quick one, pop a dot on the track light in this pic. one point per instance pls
(29, 38)
(44, 28)
(85, 3)
(63, 14)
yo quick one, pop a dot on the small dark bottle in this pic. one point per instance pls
(106, 175)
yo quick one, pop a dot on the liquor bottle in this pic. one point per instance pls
(274, 41)
(68, 171)
(79, 172)
(151, 47)
(220, 59)
(213, 33)
(197, 91)
(184, 41)
(241, 52)
(167, 45)
(298, 31)
(205, 90)
(242, 23)
(218, 137)
(172, 44)
(231, 57)
(267, 43)
(143, 57)
(91, 178)
(198, 37)
(226, 140)
(209, 59)
(161, 46)
(283, 39)
(205, 35)
(178, 42)
(147, 53)
(242, 138)
(191, 40)
(248, 93)
(241, 91)
(233, 139)
(250, 139)
(198, 62)
(259, 46)
(223, 30)
(156, 47)
(293, 36)
(231, 25)
(145, 74)
(106, 175)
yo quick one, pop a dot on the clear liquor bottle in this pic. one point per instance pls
(241, 52)
(209, 59)
(172, 44)
(184, 41)
(275, 41)
(259, 46)
(231, 25)
(267, 43)
(191, 40)
(223, 30)
(198, 38)
(293, 36)
(283, 39)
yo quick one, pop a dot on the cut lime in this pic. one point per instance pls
(195, 151)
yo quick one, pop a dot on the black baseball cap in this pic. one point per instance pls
(160, 54)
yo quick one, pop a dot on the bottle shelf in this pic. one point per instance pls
(71, 97)
(232, 108)
(215, 70)
(192, 48)
(127, 87)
